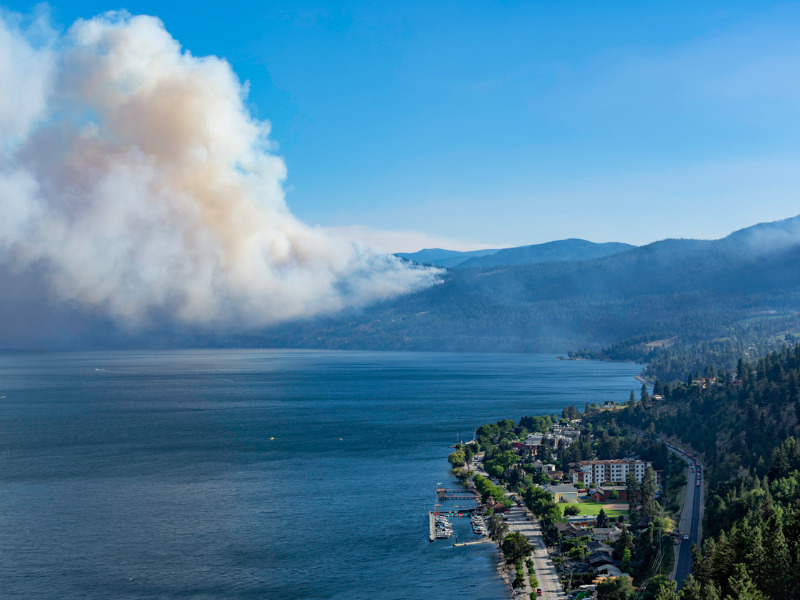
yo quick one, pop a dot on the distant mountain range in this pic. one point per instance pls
(683, 288)
(558, 251)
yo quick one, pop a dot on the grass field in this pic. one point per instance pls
(590, 507)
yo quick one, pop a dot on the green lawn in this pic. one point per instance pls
(590, 507)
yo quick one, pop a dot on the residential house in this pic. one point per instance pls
(598, 559)
(568, 530)
(595, 546)
(606, 534)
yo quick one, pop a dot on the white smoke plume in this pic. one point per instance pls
(134, 177)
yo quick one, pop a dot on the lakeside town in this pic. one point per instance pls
(578, 506)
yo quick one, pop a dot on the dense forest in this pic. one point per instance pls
(745, 425)
(706, 341)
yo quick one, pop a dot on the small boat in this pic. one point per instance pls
(443, 534)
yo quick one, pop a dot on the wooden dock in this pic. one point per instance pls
(455, 494)
(432, 526)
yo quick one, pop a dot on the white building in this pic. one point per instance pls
(611, 471)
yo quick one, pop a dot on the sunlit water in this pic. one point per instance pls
(154, 475)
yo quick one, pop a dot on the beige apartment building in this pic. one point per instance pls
(611, 471)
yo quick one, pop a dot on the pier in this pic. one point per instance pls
(432, 526)
(483, 540)
(445, 494)
(456, 512)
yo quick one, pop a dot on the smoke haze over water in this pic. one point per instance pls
(134, 181)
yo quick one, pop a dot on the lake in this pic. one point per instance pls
(265, 474)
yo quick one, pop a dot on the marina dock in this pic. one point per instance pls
(459, 494)
(432, 526)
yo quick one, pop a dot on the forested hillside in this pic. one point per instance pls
(677, 303)
(745, 426)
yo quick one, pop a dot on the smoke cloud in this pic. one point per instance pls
(136, 182)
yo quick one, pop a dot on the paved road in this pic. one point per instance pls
(546, 572)
(690, 522)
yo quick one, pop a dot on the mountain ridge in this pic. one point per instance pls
(567, 250)
(667, 288)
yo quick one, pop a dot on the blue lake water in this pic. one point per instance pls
(153, 475)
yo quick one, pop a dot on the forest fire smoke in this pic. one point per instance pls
(134, 179)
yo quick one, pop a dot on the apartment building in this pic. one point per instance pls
(611, 471)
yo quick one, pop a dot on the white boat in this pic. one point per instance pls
(442, 533)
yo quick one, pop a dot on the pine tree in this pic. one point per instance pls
(625, 567)
(742, 586)
(710, 592)
(625, 542)
(779, 564)
(648, 493)
(602, 519)
(756, 557)
(691, 589)
(665, 589)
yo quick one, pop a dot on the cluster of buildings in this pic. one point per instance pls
(598, 551)
(560, 437)
(605, 475)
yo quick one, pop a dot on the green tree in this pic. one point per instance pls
(625, 542)
(648, 493)
(618, 588)
(694, 590)
(625, 567)
(571, 510)
(756, 556)
(664, 588)
(497, 528)
(633, 497)
(778, 569)
(691, 589)
(577, 553)
(602, 519)
(742, 586)
(457, 458)
(515, 547)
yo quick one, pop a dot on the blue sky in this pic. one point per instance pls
(495, 124)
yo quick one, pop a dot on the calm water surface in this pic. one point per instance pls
(154, 475)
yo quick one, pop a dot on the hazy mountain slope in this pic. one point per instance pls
(558, 251)
(668, 288)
